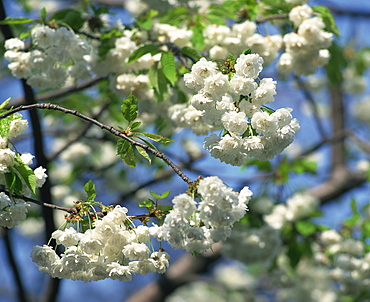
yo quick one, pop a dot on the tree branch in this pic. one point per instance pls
(110, 129)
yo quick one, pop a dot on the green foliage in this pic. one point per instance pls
(90, 191)
(276, 7)
(159, 82)
(147, 203)
(143, 153)
(129, 108)
(146, 21)
(197, 39)
(138, 53)
(159, 196)
(168, 67)
(306, 227)
(12, 21)
(191, 53)
(108, 39)
(175, 16)
(336, 64)
(70, 16)
(157, 138)
(328, 19)
(27, 175)
(126, 152)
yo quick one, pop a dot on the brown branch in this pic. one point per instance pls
(110, 129)
(60, 92)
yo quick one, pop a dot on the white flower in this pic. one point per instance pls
(91, 242)
(264, 123)
(14, 44)
(216, 85)
(142, 234)
(162, 260)
(136, 251)
(218, 52)
(277, 218)
(6, 159)
(43, 36)
(118, 271)
(4, 200)
(40, 176)
(202, 70)
(17, 127)
(265, 92)
(300, 13)
(235, 122)
(244, 196)
(44, 256)
(202, 101)
(300, 205)
(184, 204)
(26, 158)
(242, 85)
(249, 65)
(67, 237)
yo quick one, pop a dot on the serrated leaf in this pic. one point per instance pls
(168, 67)
(155, 195)
(27, 175)
(126, 152)
(90, 190)
(143, 153)
(328, 19)
(148, 143)
(13, 182)
(146, 21)
(197, 37)
(135, 125)
(129, 108)
(138, 53)
(43, 14)
(10, 21)
(191, 53)
(157, 137)
(158, 81)
(146, 203)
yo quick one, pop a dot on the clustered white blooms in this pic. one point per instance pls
(13, 211)
(235, 106)
(109, 250)
(309, 42)
(194, 226)
(296, 207)
(55, 56)
(253, 245)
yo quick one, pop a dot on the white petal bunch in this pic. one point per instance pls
(109, 250)
(309, 42)
(195, 226)
(13, 211)
(250, 245)
(55, 55)
(235, 106)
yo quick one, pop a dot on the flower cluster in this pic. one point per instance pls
(16, 165)
(309, 42)
(111, 249)
(296, 207)
(254, 245)
(194, 226)
(237, 107)
(55, 56)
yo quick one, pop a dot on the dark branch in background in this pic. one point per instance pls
(110, 129)
(312, 102)
(43, 97)
(22, 296)
(272, 17)
(79, 135)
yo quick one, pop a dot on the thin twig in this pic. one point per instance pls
(110, 129)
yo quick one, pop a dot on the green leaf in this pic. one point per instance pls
(90, 190)
(247, 51)
(305, 227)
(10, 21)
(160, 196)
(70, 16)
(175, 16)
(352, 221)
(43, 14)
(5, 103)
(157, 137)
(304, 165)
(155, 195)
(336, 64)
(126, 152)
(143, 153)
(13, 182)
(146, 21)
(129, 108)
(135, 125)
(138, 53)
(328, 19)
(148, 143)
(146, 203)
(168, 67)
(165, 208)
(27, 175)
(158, 81)
(191, 53)
(197, 38)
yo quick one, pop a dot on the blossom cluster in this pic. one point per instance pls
(298, 206)
(13, 211)
(109, 250)
(309, 42)
(237, 106)
(195, 227)
(55, 56)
